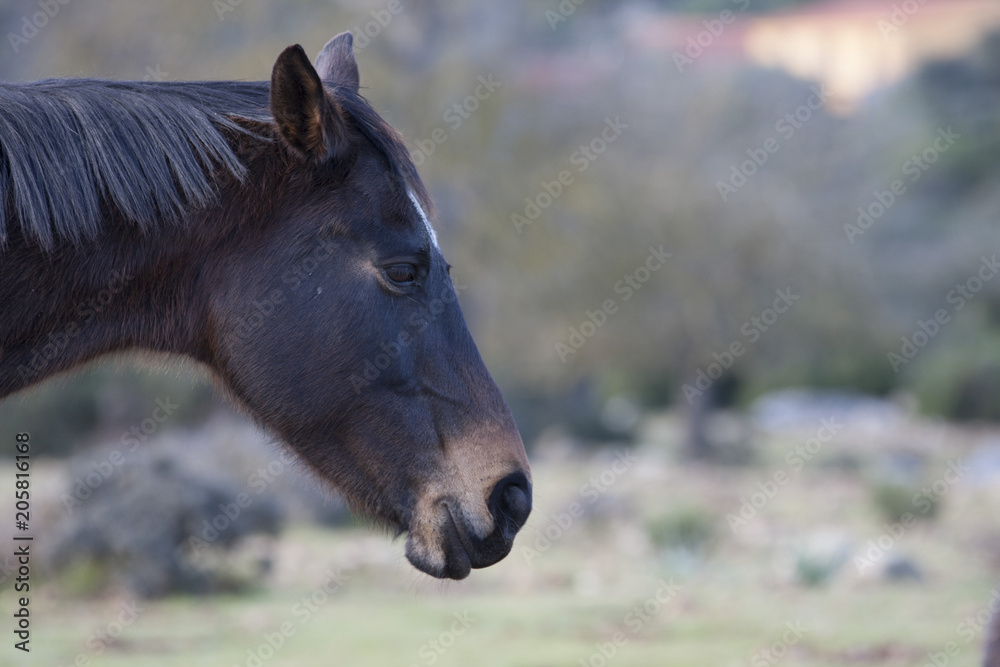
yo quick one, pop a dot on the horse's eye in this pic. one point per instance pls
(401, 274)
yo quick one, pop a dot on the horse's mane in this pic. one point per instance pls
(70, 148)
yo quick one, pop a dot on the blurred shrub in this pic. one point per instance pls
(106, 399)
(960, 379)
(155, 526)
(189, 510)
(900, 568)
(893, 501)
(690, 529)
(817, 556)
(816, 568)
(842, 461)
(589, 412)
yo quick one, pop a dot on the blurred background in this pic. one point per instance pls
(731, 262)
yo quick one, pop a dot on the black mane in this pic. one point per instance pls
(70, 148)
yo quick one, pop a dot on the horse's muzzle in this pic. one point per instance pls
(509, 504)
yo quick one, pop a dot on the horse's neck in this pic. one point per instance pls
(60, 310)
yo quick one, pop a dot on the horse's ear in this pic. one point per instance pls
(310, 121)
(336, 64)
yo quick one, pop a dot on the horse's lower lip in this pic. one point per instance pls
(480, 552)
(460, 551)
(462, 537)
(457, 551)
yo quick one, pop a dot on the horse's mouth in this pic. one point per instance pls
(458, 562)
(448, 556)
(446, 542)
(456, 551)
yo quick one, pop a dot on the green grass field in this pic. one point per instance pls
(571, 588)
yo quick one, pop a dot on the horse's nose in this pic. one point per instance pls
(510, 503)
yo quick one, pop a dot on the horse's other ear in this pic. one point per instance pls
(310, 122)
(336, 64)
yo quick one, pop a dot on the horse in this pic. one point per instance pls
(992, 657)
(278, 234)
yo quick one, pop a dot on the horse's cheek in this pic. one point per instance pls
(418, 322)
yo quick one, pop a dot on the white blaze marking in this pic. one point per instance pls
(423, 216)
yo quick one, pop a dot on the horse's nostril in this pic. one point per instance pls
(510, 503)
(517, 504)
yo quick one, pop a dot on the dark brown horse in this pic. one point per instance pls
(277, 234)
(992, 658)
